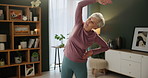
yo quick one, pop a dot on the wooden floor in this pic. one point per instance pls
(56, 74)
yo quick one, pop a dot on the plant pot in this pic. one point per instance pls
(18, 60)
(2, 63)
(61, 45)
(23, 45)
(34, 59)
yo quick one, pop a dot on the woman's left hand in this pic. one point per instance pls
(87, 54)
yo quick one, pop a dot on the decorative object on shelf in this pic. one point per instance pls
(2, 62)
(140, 39)
(18, 58)
(19, 47)
(110, 43)
(1, 15)
(15, 14)
(23, 44)
(119, 42)
(35, 3)
(36, 31)
(30, 16)
(60, 38)
(33, 43)
(1, 12)
(29, 70)
(35, 57)
(30, 43)
(31, 32)
(25, 18)
(21, 29)
(35, 18)
(3, 38)
(36, 43)
(115, 43)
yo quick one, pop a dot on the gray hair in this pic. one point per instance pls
(99, 16)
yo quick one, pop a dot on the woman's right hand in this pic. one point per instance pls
(104, 2)
(87, 54)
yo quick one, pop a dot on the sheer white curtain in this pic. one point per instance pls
(61, 21)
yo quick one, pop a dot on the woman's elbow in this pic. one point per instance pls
(106, 48)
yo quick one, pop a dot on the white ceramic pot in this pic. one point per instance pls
(18, 60)
(23, 45)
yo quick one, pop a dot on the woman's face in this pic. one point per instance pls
(91, 23)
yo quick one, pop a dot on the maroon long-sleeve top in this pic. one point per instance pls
(80, 39)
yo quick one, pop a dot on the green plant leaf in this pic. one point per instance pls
(59, 37)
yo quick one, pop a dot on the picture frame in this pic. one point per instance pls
(29, 70)
(140, 39)
(15, 14)
(21, 29)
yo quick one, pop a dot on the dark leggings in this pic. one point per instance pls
(69, 68)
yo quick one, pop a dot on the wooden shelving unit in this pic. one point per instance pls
(7, 27)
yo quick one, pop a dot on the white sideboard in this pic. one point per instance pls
(127, 62)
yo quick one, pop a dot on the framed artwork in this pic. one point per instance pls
(140, 39)
(15, 14)
(21, 29)
(29, 70)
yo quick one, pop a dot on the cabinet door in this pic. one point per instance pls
(113, 59)
(144, 67)
(130, 68)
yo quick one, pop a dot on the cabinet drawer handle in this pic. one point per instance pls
(129, 72)
(129, 64)
(130, 56)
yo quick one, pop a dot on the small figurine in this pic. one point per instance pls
(35, 3)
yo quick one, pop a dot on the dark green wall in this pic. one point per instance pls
(45, 37)
(122, 16)
(93, 8)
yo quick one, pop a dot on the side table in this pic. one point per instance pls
(57, 51)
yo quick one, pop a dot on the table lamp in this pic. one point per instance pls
(97, 30)
(3, 38)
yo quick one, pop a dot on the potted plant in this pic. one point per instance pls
(34, 57)
(18, 58)
(60, 38)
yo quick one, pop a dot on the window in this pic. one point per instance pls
(61, 21)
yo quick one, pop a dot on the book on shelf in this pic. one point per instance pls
(1, 12)
(30, 16)
(31, 42)
(36, 44)
(1, 15)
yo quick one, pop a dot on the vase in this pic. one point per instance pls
(23, 45)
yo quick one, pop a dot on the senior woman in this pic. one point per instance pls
(82, 36)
